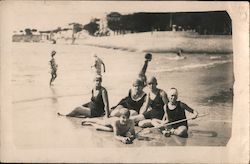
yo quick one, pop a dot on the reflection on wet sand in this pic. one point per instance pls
(203, 133)
(54, 95)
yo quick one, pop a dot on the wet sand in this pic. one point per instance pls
(204, 84)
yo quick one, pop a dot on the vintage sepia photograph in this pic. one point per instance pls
(106, 76)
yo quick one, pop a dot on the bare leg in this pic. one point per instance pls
(51, 80)
(103, 125)
(116, 112)
(133, 113)
(80, 111)
(181, 131)
(137, 118)
(156, 122)
(145, 123)
(103, 128)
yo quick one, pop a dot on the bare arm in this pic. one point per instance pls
(186, 107)
(132, 130)
(144, 68)
(145, 104)
(117, 135)
(103, 66)
(165, 100)
(106, 102)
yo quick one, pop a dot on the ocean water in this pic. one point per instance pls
(204, 81)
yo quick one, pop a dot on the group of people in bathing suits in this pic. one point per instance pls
(152, 109)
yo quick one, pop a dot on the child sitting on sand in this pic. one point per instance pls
(123, 127)
(175, 111)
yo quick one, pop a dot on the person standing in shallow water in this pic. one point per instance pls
(53, 66)
(99, 104)
(98, 63)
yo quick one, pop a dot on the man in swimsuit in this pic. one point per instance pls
(53, 66)
(176, 111)
(98, 105)
(134, 101)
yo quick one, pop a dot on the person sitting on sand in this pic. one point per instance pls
(98, 63)
(156, 102)
(123, 127)
(53, 66)
(134, 101)
(98, 105)
(175, 111)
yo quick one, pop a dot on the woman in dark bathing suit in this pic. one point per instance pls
(99, 104)
(134, 101)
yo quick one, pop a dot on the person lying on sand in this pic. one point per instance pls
(98, 63)
(98, 105)
(156, 102)
(175, 110)
(134, 101)
(123, 127)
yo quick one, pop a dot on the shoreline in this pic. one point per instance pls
(163, 42)
(156, 42)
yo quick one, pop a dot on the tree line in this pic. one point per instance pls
(204, 23)
(211, 23)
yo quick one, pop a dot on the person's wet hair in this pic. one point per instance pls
(174, 89)
(125, 112)
(98, 78)
(138, 82)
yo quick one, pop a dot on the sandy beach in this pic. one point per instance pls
(204, 80)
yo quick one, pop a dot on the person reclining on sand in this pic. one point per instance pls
(98, 105)
(175, 111)
(134, 101)
(123, 127)
(156, 102)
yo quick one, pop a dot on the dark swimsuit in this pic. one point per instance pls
(131, 104)
(177, 114)
(96, 105)
(157, 108)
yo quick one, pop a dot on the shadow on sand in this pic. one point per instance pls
(203, 133)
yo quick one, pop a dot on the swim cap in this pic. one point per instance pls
(98, 77)
(125, 112)
(152, 80)
(53, 52)
(137, 82)
(148, 56)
